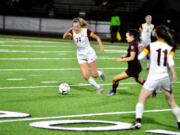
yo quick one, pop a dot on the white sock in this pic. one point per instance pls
(176, 112)
(99, 73)
(139, 110)
(93, 83)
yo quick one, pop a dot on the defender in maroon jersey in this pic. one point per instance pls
(134, 66)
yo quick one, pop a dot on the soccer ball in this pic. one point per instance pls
(64, 88)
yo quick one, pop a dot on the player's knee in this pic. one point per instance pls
(114, 79)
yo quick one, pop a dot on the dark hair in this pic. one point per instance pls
(134, 33)
(163, 32)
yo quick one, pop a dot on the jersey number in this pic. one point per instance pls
(165, 52)
(78, 39)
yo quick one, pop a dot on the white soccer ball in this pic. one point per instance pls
(64, 88)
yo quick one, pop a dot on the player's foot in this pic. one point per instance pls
(99, 91)
(136, 125)
(111, 93)
(103, 76)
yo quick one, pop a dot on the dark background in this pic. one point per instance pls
(131, 12)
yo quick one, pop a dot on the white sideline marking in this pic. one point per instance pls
(82, 115)
(56, 69)
(16, 79)
(162, 131)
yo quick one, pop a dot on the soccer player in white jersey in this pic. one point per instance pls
(146, 31)
(86, 55)
(161, 54)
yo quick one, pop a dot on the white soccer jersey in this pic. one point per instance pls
(160, 54)
(84, 49)
(146, 33)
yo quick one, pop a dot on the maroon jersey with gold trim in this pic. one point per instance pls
(134, 66)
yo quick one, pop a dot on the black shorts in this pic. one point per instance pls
(133, 73)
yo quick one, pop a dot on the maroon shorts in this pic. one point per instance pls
(133, 73)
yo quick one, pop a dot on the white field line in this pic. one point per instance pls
(35, 87)
(55, 69)
(24, 59)
(32, 46)
(24, 51)
(115, 51)
(55, 86)
(80, 115)
(16, 79)
(49, 82)
(71, 58)
(30, 41)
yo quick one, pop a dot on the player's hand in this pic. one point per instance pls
(119, 59)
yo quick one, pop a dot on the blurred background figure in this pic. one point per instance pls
(115, 27)
(146, 30)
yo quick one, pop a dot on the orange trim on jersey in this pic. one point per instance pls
(146, 51)
(69, 34)
(91, 34)
(172, 53)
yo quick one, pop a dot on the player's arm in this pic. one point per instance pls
(68, 34)
(140, 28)
(130, 58)
(172, 67)
(97, 38)
(144, 53)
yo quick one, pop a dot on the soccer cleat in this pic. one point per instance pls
(103, 76)
(111, 93)
(99, 91)
(136, 125)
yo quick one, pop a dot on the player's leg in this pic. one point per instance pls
(174, 106)
(143, 96)
(96, 72)
(85, 73)
(115, 82)
(139, 80)
(146, 91)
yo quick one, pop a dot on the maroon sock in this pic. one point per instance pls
(114, 86)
